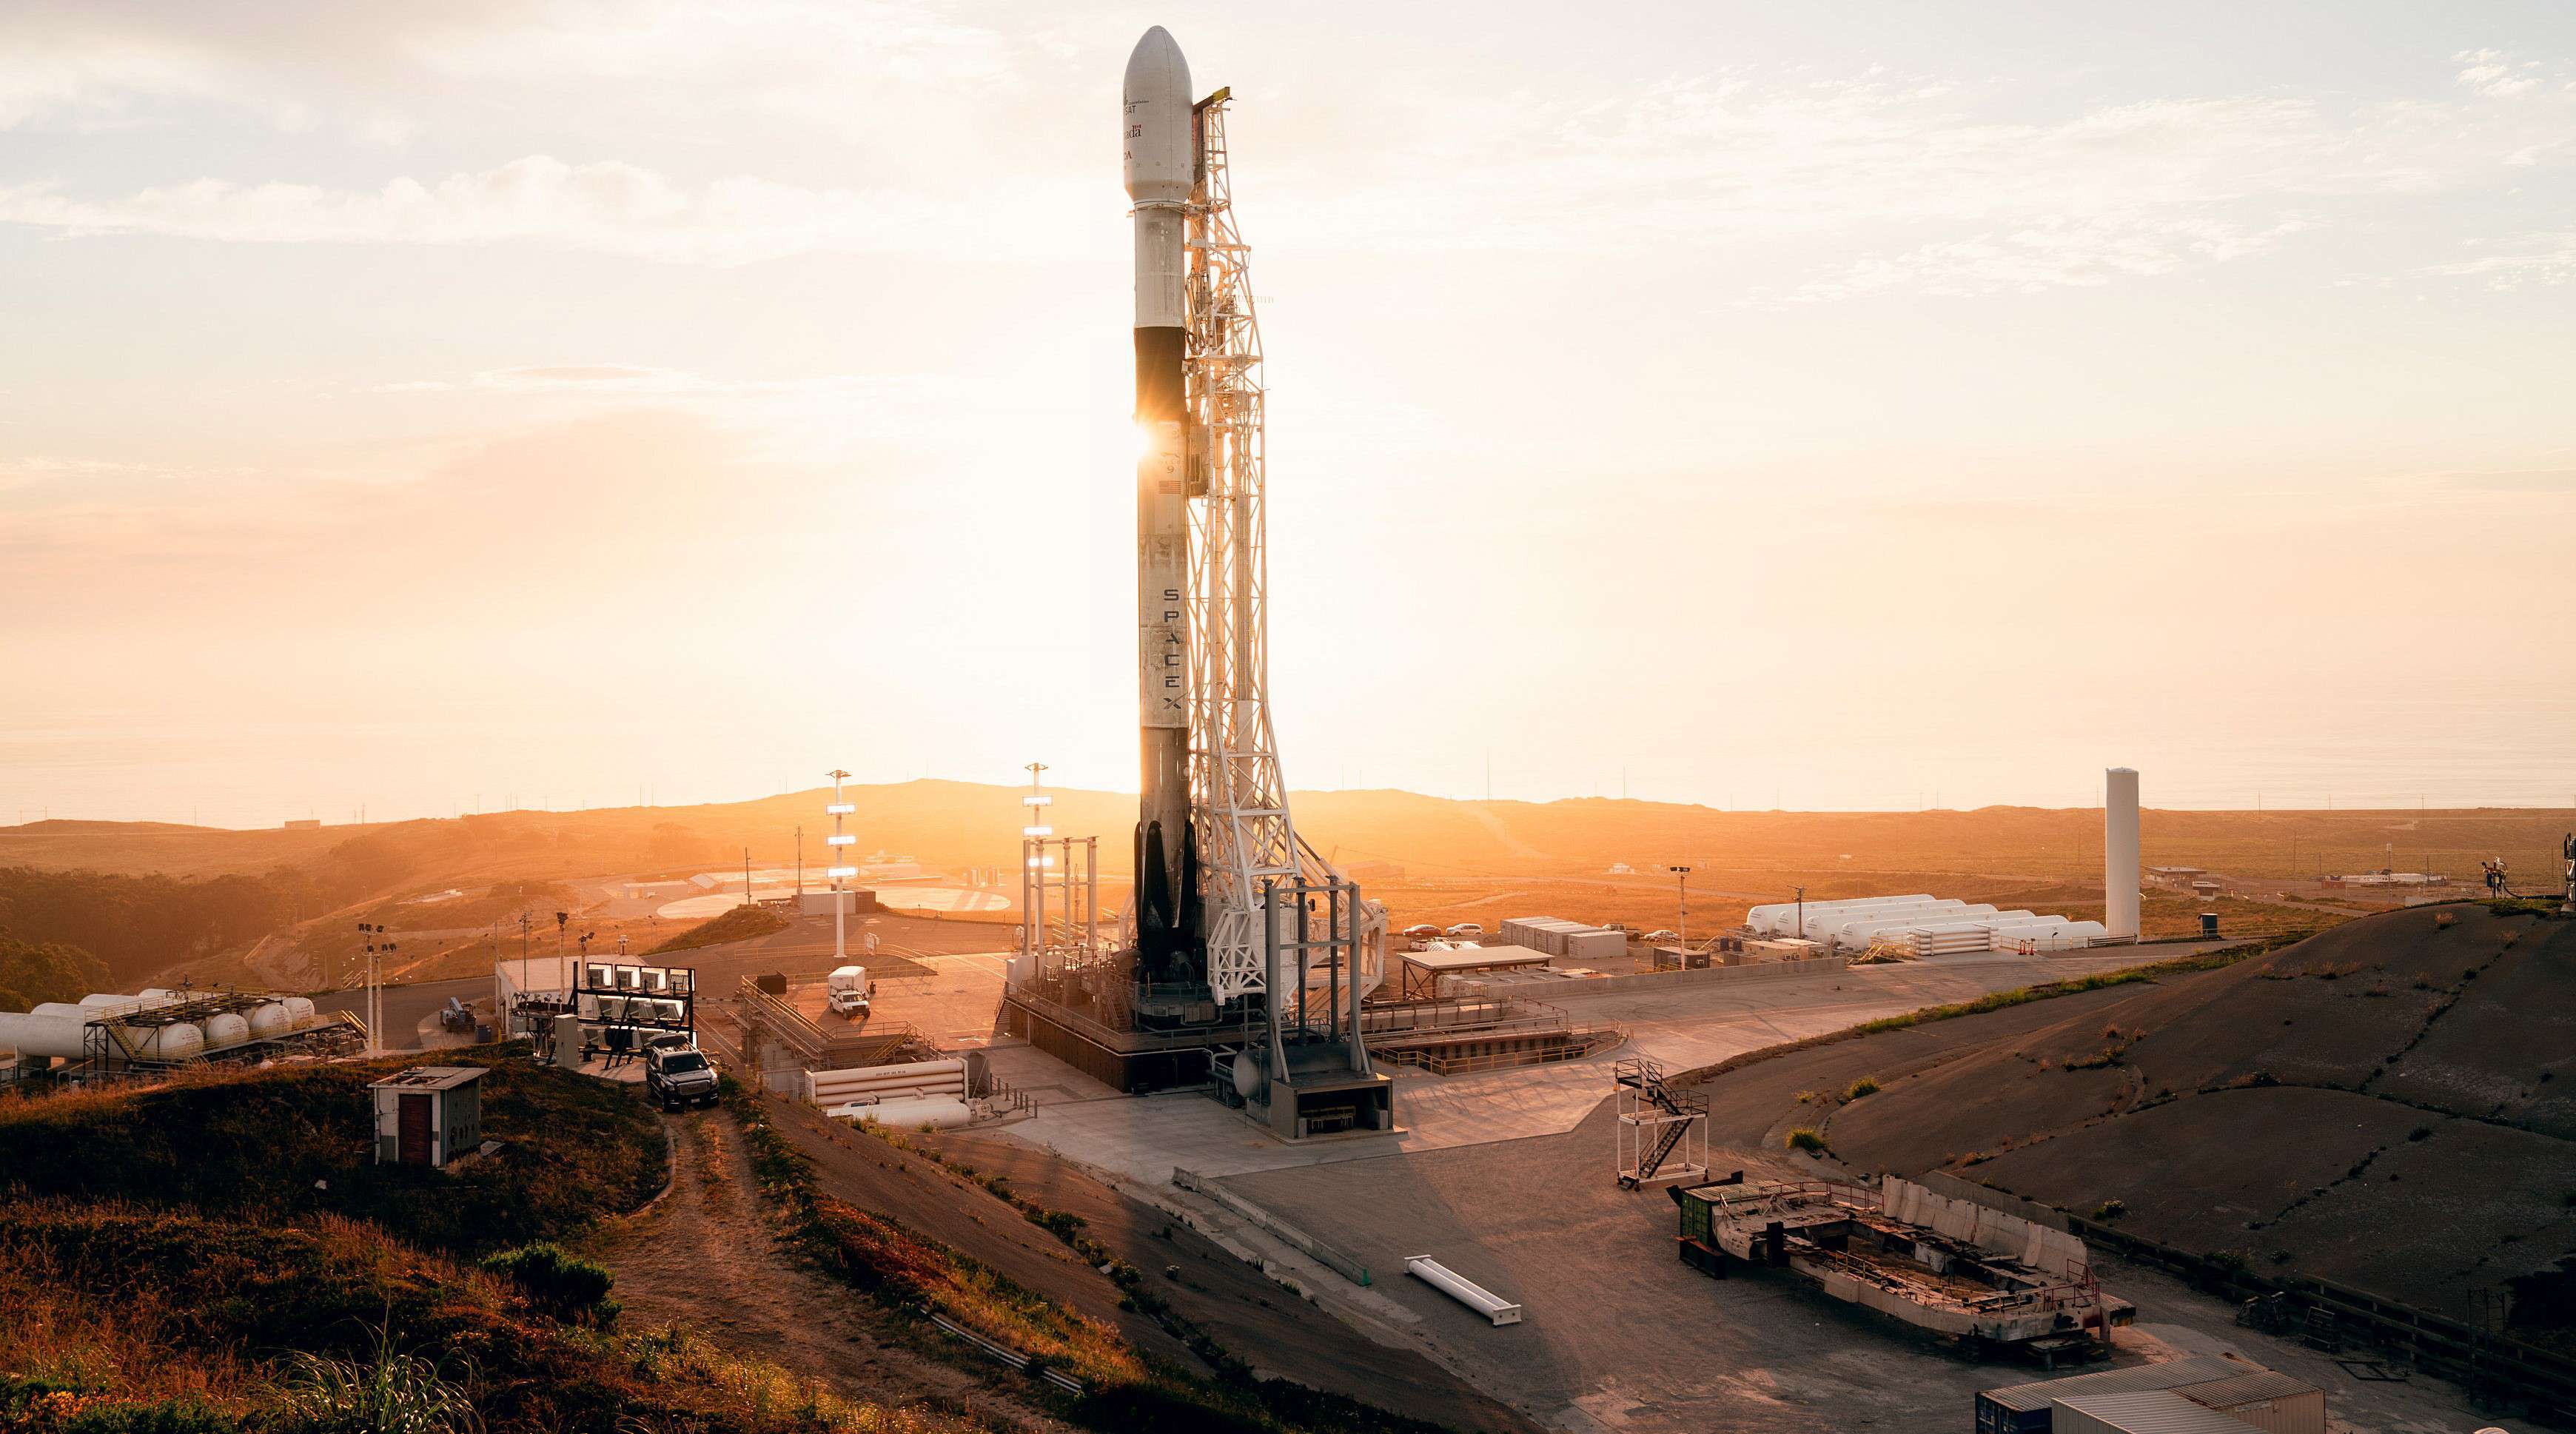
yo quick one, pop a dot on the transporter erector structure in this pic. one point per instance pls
(1245, 955)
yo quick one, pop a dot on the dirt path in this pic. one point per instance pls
(705, 1256)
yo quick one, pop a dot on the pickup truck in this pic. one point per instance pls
(676, 1077)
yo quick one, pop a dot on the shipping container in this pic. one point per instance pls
(2145, 1411)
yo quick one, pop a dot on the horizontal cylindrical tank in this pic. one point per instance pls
(862, 1084)
(267, 1022)
(299, 1011)
(178, 1041)
(1846, 930)
(1782, 918)
(34, 1036)
(226, 1029)
(62, 1008)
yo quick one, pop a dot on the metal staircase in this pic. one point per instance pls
(1661, 1116)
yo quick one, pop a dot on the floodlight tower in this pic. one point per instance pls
(1033, 864)
(840, 870)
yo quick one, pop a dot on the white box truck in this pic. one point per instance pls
(848, 990)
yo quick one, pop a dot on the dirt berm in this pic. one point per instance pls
(2390, 1104)
(1255, 1320)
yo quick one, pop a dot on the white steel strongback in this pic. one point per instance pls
(1247, 840)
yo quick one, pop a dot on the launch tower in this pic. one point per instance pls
(1246, 955)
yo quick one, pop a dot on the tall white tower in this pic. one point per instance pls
(2120, 852)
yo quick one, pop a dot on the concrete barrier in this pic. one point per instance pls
(1332, 1259)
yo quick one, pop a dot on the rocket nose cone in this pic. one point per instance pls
(1156, 70)
(1156, 120)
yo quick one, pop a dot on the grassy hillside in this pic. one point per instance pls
(222, 1255)
(123, 1321)
(291, 1142)
(1429, 858)
(960, 823)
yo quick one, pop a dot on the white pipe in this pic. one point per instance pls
(1465, 1291)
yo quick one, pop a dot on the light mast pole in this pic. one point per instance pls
(841, 868)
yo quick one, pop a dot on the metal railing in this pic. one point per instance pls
(1575, 1046)
(1004, 1354)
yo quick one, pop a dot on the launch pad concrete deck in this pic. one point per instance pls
(1144, 1138)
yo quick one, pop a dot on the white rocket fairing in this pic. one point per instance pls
(1161, 165)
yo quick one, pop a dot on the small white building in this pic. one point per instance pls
(429, 1115)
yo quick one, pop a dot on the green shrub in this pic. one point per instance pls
(1807, 1140)
(564, 1285)
(2110, 1210)
(1866, 1085)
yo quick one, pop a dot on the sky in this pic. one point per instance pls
(1854, 405)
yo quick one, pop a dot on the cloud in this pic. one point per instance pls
(2048, 255)
(1895, 183)
(2497, 74)
(2540, 261)
(607, 207)
(88, 82)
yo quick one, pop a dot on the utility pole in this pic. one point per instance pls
(1681, 874)
(376, 940)
(1802, 913)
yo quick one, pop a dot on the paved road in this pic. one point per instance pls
(411, 1012)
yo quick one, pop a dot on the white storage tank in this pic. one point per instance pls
(36, 1035)
(1845, 929)
(225, 1029)
(299, 1012)
(1781, 918)
(269, 1021)
(62, 1008)
(178, 1041)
